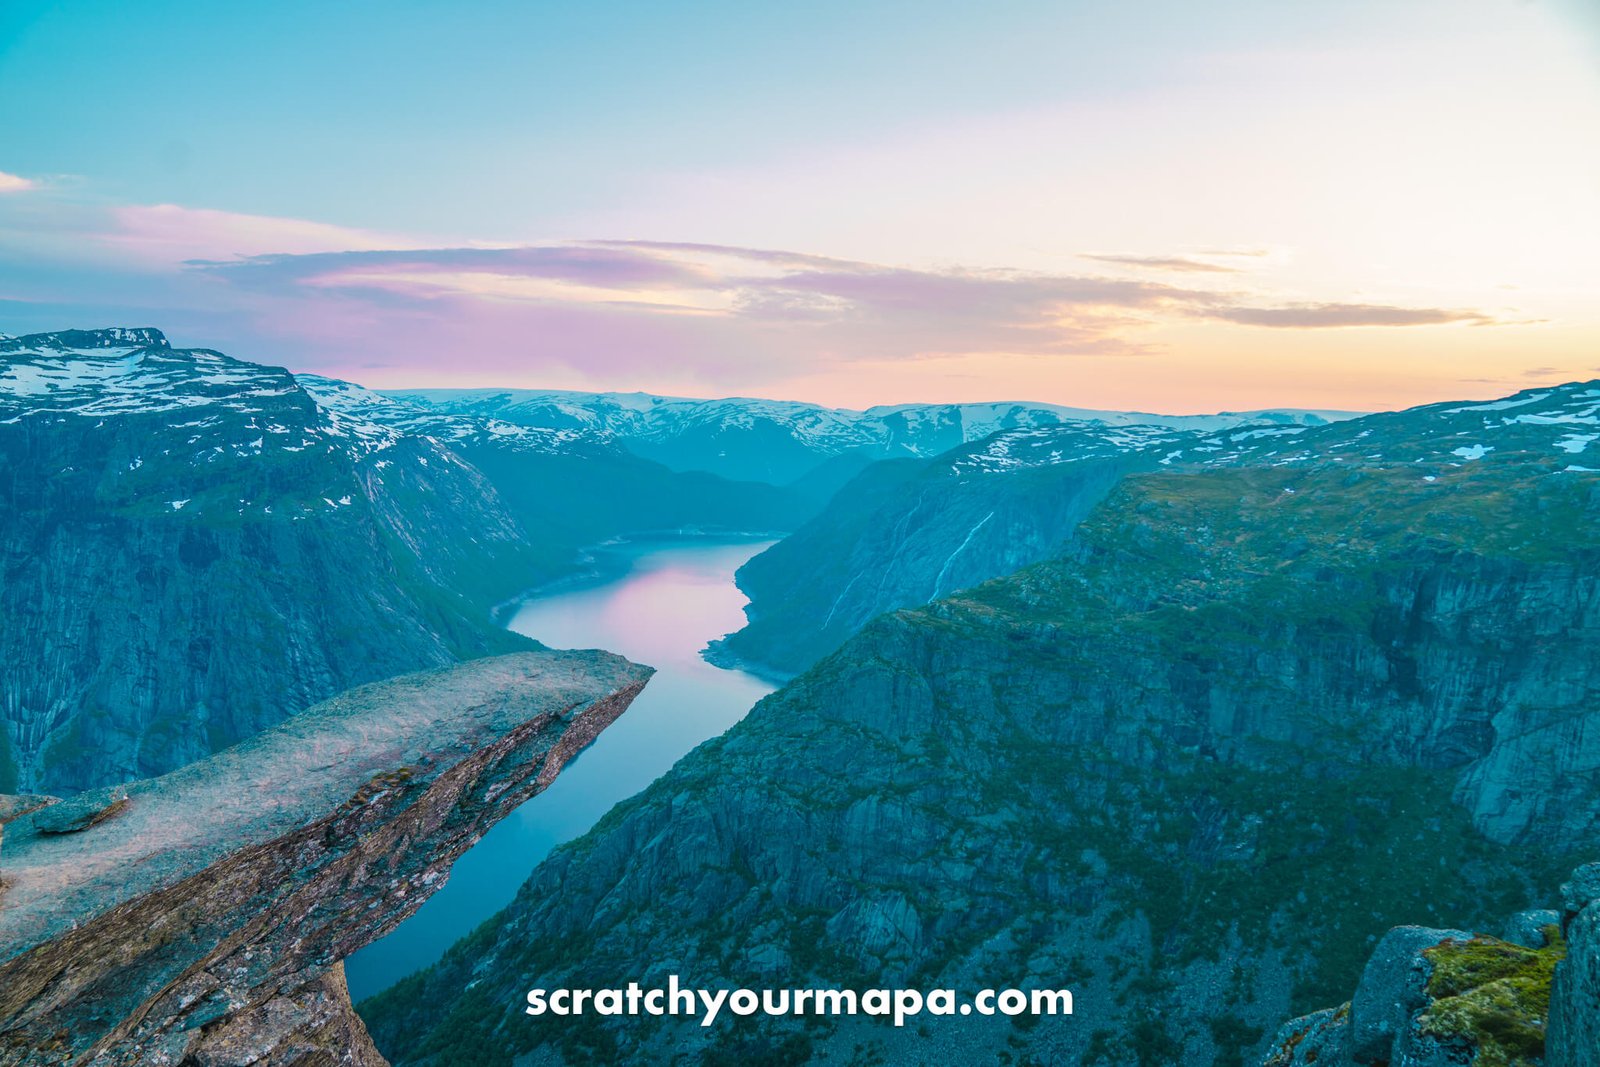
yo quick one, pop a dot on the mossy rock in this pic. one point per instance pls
(1494, 996)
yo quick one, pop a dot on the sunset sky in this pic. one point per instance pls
(1153, 205)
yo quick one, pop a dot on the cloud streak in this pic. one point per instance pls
(1181, 264)
(13, 183)
(1335, 316)
(608, 313)
(784, 307)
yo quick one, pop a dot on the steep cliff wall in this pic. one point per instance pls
(1575, 991)
(200, 917)
(191, 549)
(1253, 720)
(903, 533)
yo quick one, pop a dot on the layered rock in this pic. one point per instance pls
(200, 917)
(1192, 770)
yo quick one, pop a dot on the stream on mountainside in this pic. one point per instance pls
(659, 604)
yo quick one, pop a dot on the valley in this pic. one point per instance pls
(687, 702)
(1182, 713)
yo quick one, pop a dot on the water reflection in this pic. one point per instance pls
(666, 601)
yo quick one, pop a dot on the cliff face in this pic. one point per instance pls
(1574, 1028)
(191, 549)
(200, 917)
(904, 533)
(1255, 718)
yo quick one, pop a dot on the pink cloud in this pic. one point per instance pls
(172, 234)
(675, 316)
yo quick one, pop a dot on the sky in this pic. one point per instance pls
(1152, 204)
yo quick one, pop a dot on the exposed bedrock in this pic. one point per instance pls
(200, 918)
(1443, 998)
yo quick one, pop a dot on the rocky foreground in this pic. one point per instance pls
(201, 917)
(1443, 998)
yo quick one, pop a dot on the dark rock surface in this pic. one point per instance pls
(1393, 988)
(192, 549)
(1575, 994)
(903, 533)
(205, 922)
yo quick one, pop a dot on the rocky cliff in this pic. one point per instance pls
(901, 534)
(1193, 769)
(905, 532)
(191, 548)
(200, 917)
(1441, 998)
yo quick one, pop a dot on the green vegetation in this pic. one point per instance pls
(1225, 733)
(1493, 996)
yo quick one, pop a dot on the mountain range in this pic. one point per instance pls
(785, 442)
(1182, 713)
(194, 548)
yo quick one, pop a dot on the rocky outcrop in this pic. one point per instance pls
(200, 917)
(1575, 993)
(192, 549)
(1192, 770)
(1445, 998)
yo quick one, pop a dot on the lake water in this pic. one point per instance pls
(665, 601)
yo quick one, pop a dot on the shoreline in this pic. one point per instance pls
(716, 653)
(603, 562)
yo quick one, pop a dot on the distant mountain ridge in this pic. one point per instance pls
(906, 532)
(575, 487)
(781, 441)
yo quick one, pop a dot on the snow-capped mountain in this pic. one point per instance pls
(781, 441)
(211, 406)
(450, 427)
(575, 486)
(1082, 441)
(197, 549)
(908, 533)
(1551, 427)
